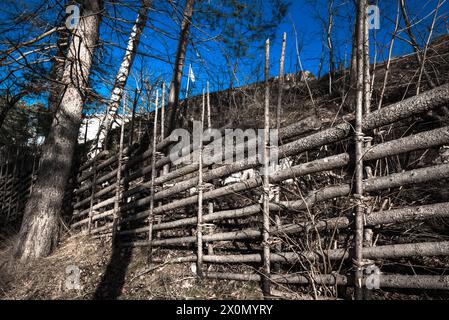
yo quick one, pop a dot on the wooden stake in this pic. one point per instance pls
(13, 186)
(92, 196)
(153, 177)
(209, 121)
(367, 233)
(199, 233)
(358, 138)
(118, 185)
(266, 182)
(281, 82)
(166, 168)
(163, 111)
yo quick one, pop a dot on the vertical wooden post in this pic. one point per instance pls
(210, 246)
(163, 111)
(13, 186)
(367, 233)
(277, 266)
(92, 195)
(209, 117)
(118, 185)
(266, 181)
(210, 204)
(166, 168)
(199, 228)
(281, 82)
(153, 177)
(359, 141)
(20, 179)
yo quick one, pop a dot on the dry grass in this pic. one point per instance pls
(45, 278)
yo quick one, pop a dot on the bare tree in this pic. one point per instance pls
(56, 89)
(175, 85)
(414, 43)
(39, 232)
(121, 78)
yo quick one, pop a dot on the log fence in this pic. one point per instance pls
(17, 176)
(236, 231)
(232, 220)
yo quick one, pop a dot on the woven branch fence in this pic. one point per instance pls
(17, 176)
(306, 247)
(132, 197)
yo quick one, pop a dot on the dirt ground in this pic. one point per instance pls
(105, 274)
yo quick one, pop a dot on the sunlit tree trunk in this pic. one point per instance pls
(56, 87)
(39, 232)
(121, 78)
(175, 86)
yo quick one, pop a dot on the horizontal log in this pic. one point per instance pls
(429, 100)
(306, 126)
(393, 113)
(135, 160)
(420, 213)
(425, 249)
(284, 279)
(385, 281)
(378, 183)
(432, 99)
(370, 185)
(414, 142)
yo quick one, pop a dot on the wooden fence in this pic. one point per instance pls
(17, 175)
(132, 197)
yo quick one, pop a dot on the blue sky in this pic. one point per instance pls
(207, 59)
(158, 46)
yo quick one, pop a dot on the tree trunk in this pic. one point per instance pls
(39, 233)
(121, 79)
(175, 86)
(56, 88)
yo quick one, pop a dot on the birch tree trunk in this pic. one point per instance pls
(39, 232)
(121, 79)
(175, 86)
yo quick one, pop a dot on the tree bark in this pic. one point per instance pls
(39, 232)
(56, 88)
(121, 79)
(175, 86)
